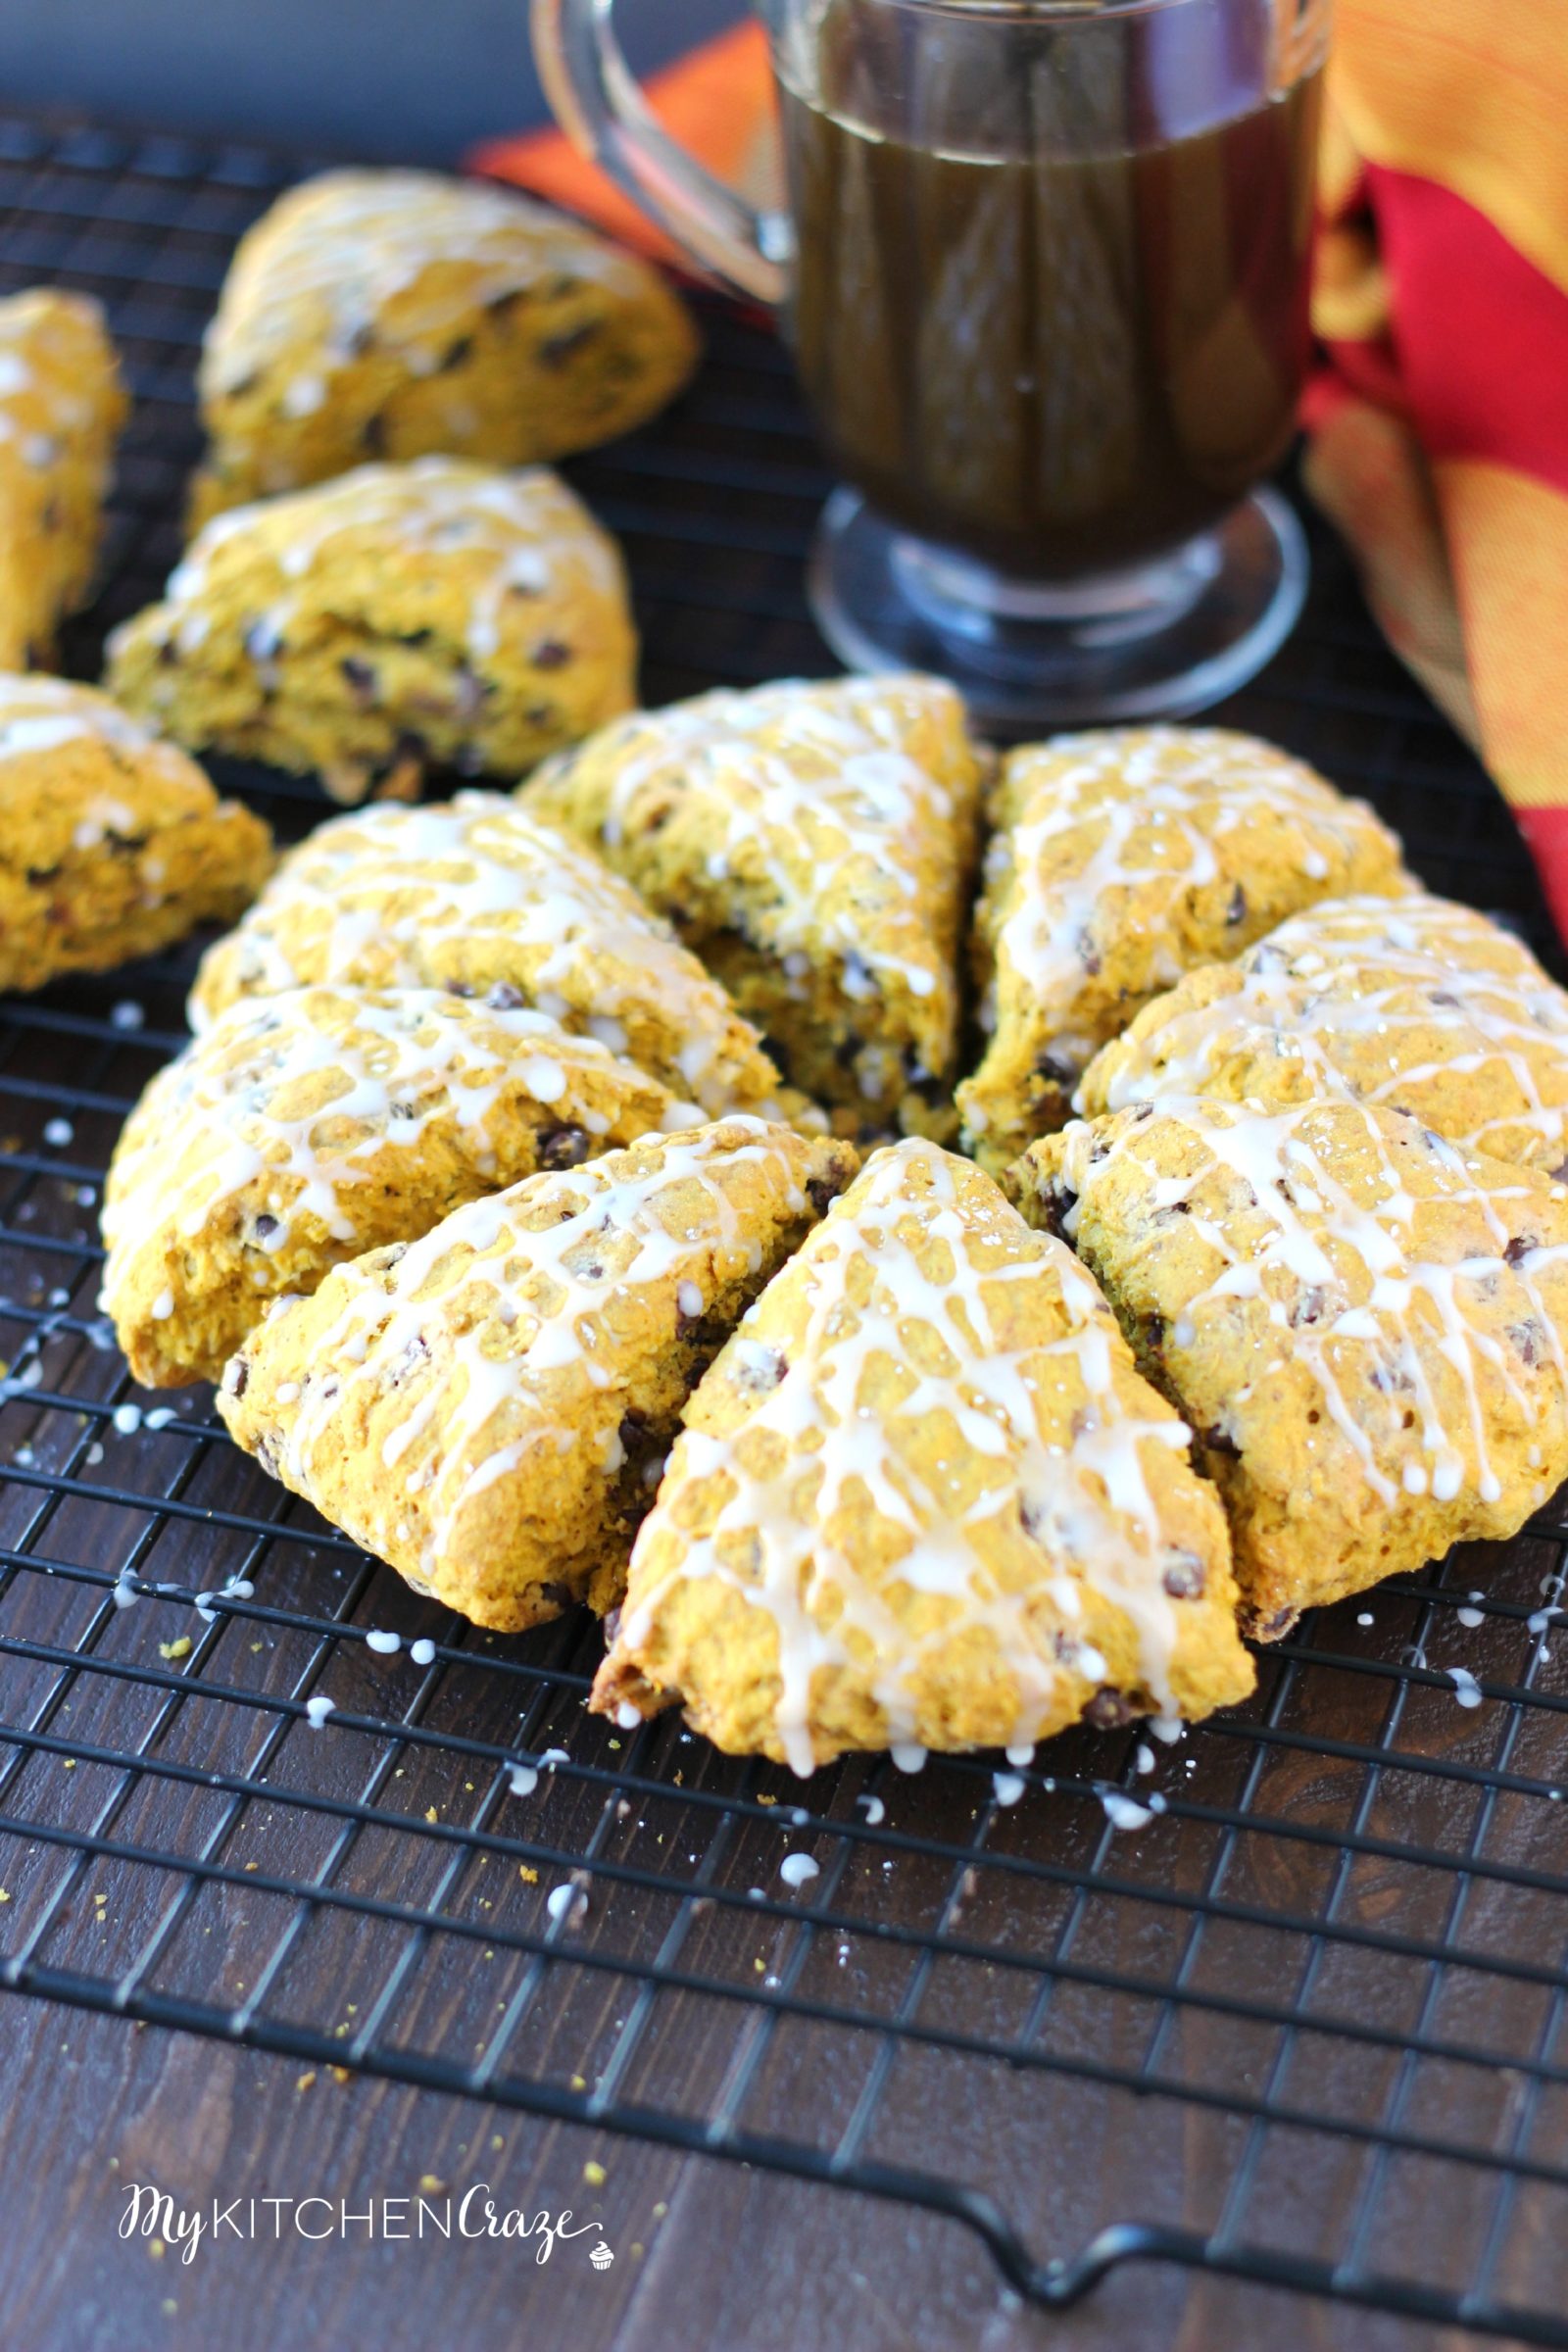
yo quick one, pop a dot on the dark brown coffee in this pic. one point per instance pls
(1057, 365)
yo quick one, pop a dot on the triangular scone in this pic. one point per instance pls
(488, 1408)
(304, 1129)
(112, 844)
(924, 1496)
(1412, 1003)
(401, 616)
(62, 404)
(396, 312)
(473, 896)
(815, 845)
(1120, 860)
(1365, 1325)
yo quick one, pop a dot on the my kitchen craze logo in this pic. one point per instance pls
(151, 2213)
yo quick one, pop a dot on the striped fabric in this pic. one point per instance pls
(1438, 418)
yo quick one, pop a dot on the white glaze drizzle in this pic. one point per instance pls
(332, 257)
(216, 1122)
(1379, 1307)
(1151, 804)
(1090, 1508)
(814, 797)
(529, 1317)
(375, 897)
(519, 542)
(1341, 991)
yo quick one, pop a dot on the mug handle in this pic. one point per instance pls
(597, 104)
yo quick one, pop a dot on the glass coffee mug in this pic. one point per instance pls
(1044, 276)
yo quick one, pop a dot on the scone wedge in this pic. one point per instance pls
(402, 617)
(307, 1128)
(392, 314)
(1366, 1325)
(815, 845)
(924, 1496)
(487, 1408)
(473, 896)
(1120, 860)
(62, 404)
(1414, 1004)
(112, 844)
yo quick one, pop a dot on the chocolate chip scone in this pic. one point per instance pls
(397, 313)
(310, 1127)
(924, 1496)
(112, 844)
(813, 844)
(399, 617)
(1365, 1325)
(487, 1408)
(473, 896)
(1120, 860)
(61, 410)
(1413, 1003)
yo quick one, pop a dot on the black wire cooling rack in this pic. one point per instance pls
(1303, 2022)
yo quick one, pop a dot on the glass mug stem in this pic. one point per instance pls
(1044, 276)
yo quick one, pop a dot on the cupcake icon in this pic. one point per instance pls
(600, 2255)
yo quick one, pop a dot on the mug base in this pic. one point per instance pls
(1160, 641)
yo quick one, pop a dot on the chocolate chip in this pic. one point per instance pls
(1528, 1340)
(1310, 1307)
(1236, 912)
(1270, 1628)
(1109, 1708)
(821, 1192)
(504, 998)
(559, 349)
(373, 435)
(1056, 1071)
(1215, 1441)
(564, 1148)
(359, 676)
(551, 654)
(265, 1226)
(1186, 1576)
(1519, 1248)
(458, 356)
(403, 1111)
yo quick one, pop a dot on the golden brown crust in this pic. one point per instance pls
(815, 845)
(1365, 1326)
(112, 844)
(487, 1408)
(923, 1496)
(473, 895)
(61, 410)
(395, 315)
(1121, 859)
(437, 614)
(312, 1126)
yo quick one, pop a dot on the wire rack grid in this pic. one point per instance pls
(1302, 2023)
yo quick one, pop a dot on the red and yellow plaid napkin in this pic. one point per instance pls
(1439, 420)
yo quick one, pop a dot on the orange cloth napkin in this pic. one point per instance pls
(1438, 423)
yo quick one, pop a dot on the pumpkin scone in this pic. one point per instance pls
(307, 1128)
(398, 314)
(1413, 1003)
(112, 844)
(62, 406)
(1364, 1324)
(400, 616)
(815, 845)
(924, 1496)
(473, 896)
(487, 1408)
(1120, 860)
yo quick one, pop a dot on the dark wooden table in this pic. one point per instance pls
(1339, 1950)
